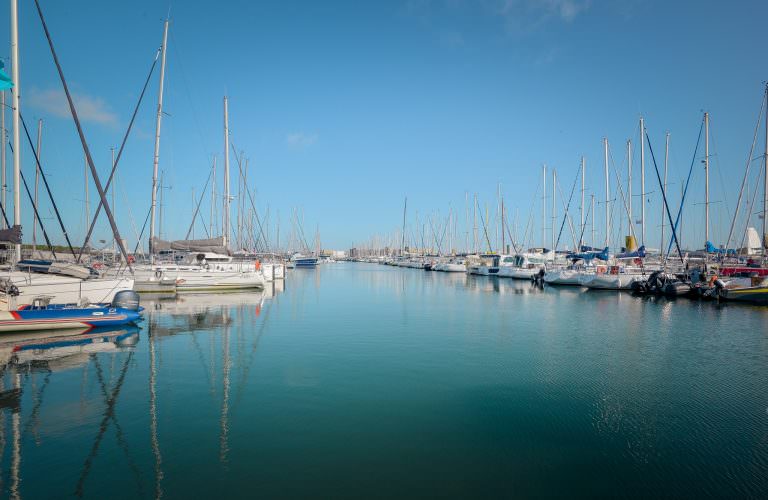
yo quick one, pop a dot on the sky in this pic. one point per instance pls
(344, 108)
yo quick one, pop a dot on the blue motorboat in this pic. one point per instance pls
(41, 315)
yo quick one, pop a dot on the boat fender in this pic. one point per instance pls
(258, 265)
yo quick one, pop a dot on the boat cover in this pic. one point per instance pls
(639, 253)
(712, 249)
(602, 255)
(11, 235)
(213, 245)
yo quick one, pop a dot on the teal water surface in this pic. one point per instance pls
(358, 380)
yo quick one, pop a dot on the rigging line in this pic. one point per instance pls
(664, 196)
(119, 155)
(2, 209)
(141, 234)
(178, 60)
(107, 416)
(253, 205)
(751, 207)
(685, 192)
(722, 183)
(37, 214)
(119, 434)
(511, 239)
(526, 240)
(565, 215)
(746, 169)
(584, 227)
(621, 192)
(47, 187)
(130, 213)
(81, 134)
(197, 208)
(485, 227)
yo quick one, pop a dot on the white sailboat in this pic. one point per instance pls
(63, 283)
(202, 270)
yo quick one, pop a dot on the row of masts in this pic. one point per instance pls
(550, 235)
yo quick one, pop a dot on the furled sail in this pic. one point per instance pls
(215, 245)
(11, 235)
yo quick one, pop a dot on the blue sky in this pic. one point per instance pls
(343, 108)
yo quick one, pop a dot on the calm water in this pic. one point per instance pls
(362, 380)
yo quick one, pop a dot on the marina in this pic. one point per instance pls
(401, 379)
(410, 249)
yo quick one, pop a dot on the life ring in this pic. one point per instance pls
(98, 265)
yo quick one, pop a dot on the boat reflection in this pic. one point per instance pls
(43, 351)
(28, 355)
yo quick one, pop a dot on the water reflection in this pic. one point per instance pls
(350, 366)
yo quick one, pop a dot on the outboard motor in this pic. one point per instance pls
(126, 299)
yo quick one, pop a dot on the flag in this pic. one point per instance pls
(5, 81)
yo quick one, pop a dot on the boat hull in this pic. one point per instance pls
(755, 295)
(517, 273)
(65, 319)
(66, 290)
(564, 277)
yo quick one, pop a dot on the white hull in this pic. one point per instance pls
(66, 290)
(565, 277)
(610, 281)
(198, 279)
(484, 270)
(518, 273)
(452, 268)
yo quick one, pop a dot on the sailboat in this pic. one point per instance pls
(63, 283)
(207, 265)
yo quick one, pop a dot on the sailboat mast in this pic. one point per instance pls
(544, 206)
(592, 211)
(642, 181)
(503, 239)
(466, 221)
(765, 179)
(213, 197)
(156, 158)
(607, 194)
(402, 239)
(225, 227)
(4, 140)
(706, 176)
(114, 190)
(629, 184)
(664, 192)
(554, 208)
(474, 229)
(581, 209)
(15, 103)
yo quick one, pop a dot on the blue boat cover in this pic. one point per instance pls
(599, 255)
(639, 253)
(712, 249)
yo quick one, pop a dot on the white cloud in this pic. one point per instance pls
(526, 15)
(300, 139)
(89, 108)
